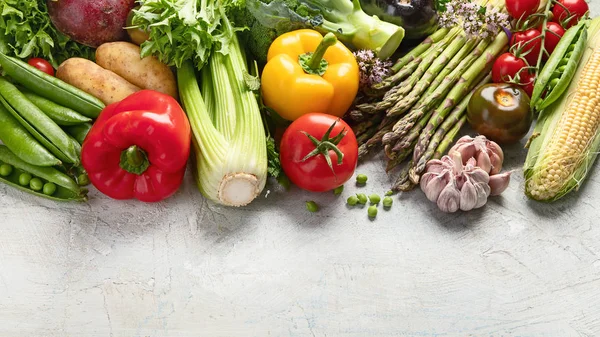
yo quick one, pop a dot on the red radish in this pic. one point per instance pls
(91, 22)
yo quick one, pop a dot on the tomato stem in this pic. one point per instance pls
(327, 144)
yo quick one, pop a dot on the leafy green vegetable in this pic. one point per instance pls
(273, 161)
(26, 31)
(267, 19)
(183, 30)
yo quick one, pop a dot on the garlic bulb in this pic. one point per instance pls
(467, 176)
(455, 186)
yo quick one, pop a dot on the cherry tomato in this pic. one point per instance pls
(576, 8)
(527, 80)
(42, 65)
(521, 40)
(506, 67)
(521, 9)
(500, 112)
(553, 36)
(313, 173)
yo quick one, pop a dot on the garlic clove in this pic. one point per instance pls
(435, 186)
(457, 163)
(478, 175)
(463, 140)
(471, 163)
(483, 191)
(449, 199)
(435, 165)
(467, 151)
(493, 147)
(468, 196)
(499, 182)
(496, 162)
(484, 162)
(426, 178)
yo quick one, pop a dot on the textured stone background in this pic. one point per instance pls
(186, 267)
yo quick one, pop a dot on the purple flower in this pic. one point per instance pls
(372, 69)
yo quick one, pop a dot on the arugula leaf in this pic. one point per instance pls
(27, 31)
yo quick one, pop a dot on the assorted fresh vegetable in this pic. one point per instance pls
(138, 147)
(298, 90)
(320, 71)
(318, 152)
(500, 112)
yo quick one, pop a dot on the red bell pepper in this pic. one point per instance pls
(138, 147)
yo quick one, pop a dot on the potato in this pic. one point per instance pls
(95, 80)
(123, 58)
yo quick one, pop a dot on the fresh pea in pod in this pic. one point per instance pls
(39, 124)
(46, 182)
(560, 68)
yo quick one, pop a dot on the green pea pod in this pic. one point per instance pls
(576, 36)
(66, 188)
(22, 143)
(51, 87)
(79, 131)
(40, 125)
(567, 74)
(59, 114)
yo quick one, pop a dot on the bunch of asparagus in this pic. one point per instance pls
(421, 107)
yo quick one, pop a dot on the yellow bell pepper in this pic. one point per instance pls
(306, 72)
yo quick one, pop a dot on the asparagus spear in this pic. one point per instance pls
(420, 49)
(458, 45)
(449, 138)
(402, 183)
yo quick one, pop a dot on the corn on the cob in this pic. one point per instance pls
(561, 156)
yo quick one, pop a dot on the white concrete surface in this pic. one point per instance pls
(185, 267)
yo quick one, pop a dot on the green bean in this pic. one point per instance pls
(374, 198)
(576, 37)
(338, 190)
(83, 179)
(5, 170)
(361, 179)
(49, 188)
(362, 198)
(28, 114)
(24, 178)
(312, 206)
(387, 202)
(372, 211)
(22, 143)
(36, 184)
(59, 114)
(352, 200)
(66, 188)
(51, 87)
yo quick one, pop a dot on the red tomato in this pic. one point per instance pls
(521, 39)
(314, 174)
(553, 35)
(576, 8)
(521, 9)
(527, 80)
(42, 65)
(506, 67)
